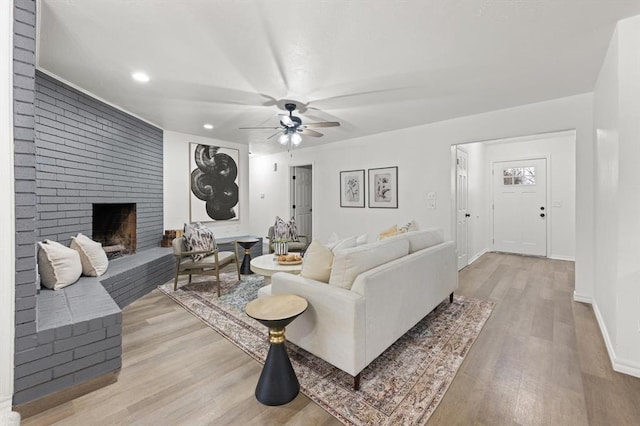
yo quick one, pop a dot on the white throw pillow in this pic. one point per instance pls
(349, 263)
(59, 266)
(409, 227)
(317, 262)
(345, 243)
(425, 238)
(92, 256)
(361, 239)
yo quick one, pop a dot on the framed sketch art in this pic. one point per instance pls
(352, 188)
(213, 183)
(383, 188)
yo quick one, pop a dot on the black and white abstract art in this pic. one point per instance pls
(214, 194)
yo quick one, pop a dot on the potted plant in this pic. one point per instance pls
(280, 246)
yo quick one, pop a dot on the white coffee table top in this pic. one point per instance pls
(267, 265)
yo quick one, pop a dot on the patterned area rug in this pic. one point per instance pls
(404, 385)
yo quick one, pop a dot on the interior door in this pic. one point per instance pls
(520, 207)
(302, 199)
(462, 212)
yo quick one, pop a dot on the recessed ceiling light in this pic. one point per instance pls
(208, 126)
(140, 77)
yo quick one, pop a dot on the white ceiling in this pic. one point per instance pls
(375, 65)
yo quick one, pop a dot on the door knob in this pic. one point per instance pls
(467, 215)
(541, 214)
(542, 208)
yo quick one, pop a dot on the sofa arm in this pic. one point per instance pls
(332, 327)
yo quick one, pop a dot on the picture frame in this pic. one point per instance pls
(352, 188)
(213, 183)
(383, 188)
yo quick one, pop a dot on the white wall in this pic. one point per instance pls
(423, 156)
(176, 184)
(617, 198)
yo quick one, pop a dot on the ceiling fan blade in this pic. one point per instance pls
(322, 124)
(252, 128)
(312, 133)
(287, 121)
(276, 133)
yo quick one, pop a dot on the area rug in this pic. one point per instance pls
(404, 385)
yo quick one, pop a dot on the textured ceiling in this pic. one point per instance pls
(375, 66)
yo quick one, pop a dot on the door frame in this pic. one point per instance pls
(549, 215)
(313, 192)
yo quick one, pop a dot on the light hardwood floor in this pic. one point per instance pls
(540, 360)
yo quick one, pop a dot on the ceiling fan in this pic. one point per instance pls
(291, 127)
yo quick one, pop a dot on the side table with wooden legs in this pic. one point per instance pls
(278, 383)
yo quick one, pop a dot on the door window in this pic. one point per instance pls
(519, 176)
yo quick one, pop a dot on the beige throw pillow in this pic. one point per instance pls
(59, 266)
(317, 262)
(92, 256)
(389, 232)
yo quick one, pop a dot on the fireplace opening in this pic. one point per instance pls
(114, 225)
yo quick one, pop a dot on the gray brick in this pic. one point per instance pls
(63, 332)
(115, 352)
(26, 343)
(26, 329)
(43, 364)
(46, 336)
(97, 370)
(95, 324)
(42, 390)
(79, 364)
(80, 328)
(102, 346)
(114, 330)
(77, 341)
(22, 357)
(32, 380)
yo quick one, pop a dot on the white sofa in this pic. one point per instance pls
(395, 283)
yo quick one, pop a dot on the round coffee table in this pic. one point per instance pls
(246, 244)
(278, 383)
(267, 265)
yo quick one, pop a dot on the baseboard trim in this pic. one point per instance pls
(477, 256)
(39, 405)
(620, 365)
(566, 258)
(582, 298)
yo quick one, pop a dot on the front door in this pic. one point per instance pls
(520, 207)
(462, 209)
(302, 188)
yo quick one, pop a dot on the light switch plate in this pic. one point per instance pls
(432, 196)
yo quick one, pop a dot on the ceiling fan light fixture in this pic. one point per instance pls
(295, 139)
(283, 139)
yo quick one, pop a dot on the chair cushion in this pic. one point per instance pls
(224, 257)
(59, 266)
(92, 256)
(317, 262)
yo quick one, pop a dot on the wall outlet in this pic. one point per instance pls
(431, 195)
(431, 204)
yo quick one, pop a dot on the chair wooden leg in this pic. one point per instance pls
(175, 282)
(451, 298)
(238, 269)
(189, 279)
(218, 280)
(356, 382)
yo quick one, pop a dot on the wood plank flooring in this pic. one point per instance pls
(540, 360)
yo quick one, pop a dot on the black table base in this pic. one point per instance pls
(278, 383)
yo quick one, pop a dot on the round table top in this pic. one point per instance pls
(247, 241)
(276, 307)
(267, 265)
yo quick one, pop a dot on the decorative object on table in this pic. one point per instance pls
(214, 183)
(383, 188)
(281, 232)
(409, 379)
(280, 246)
(246, 244)
(289, 259)
(352, 188)
(278, 383)
(196, 253)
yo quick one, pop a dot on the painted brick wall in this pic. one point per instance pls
(25, 171)
(88, 152)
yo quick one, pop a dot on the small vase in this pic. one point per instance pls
(281, 248)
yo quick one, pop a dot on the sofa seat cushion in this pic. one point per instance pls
(423, 239)
(349, 263)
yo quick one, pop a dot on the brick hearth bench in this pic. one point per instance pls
(79, 327)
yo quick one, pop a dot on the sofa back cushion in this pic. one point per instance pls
(425, 238)
(349, 263)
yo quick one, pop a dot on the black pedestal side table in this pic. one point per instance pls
(246, 244)
(278, 383)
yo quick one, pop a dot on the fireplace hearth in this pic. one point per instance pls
(114, 225)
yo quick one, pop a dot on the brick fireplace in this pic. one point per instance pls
(115, 225)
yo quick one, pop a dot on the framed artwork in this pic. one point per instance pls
(213, 183)
(383, 188)
(352, 188)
